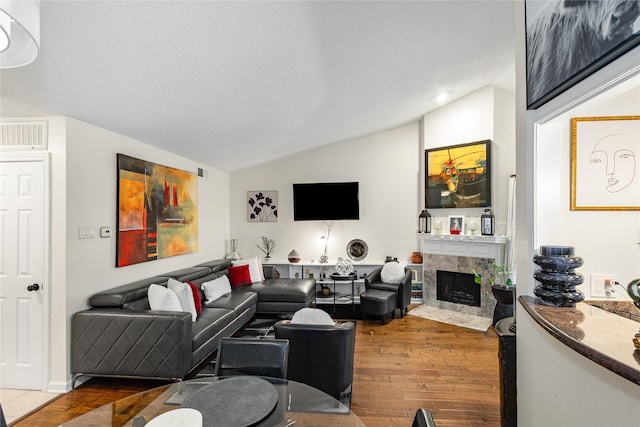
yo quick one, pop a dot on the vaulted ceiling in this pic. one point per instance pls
(234, 84)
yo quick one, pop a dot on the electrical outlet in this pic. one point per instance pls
(105, 231)
(598, 288)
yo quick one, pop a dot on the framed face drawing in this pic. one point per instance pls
(604, 163)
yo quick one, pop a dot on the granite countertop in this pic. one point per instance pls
(622, 308)
(599, 335)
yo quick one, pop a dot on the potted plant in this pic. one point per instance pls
(502, 288)
(267, 247)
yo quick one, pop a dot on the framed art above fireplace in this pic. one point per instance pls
(458, 176)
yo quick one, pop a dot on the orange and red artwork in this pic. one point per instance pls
(157, 211)
(458, 176)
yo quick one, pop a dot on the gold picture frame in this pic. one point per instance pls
(605, 173)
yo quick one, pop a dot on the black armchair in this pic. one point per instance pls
(402, 290)
(321, 355)
(250, 356)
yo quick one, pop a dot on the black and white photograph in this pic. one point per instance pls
(569, 40)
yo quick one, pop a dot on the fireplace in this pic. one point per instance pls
(458, 288)
(449, 284)
(466, 255)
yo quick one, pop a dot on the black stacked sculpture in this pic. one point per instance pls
(556, 276)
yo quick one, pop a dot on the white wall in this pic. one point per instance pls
(556, 386)
(58, 324)
(488, 113)
(606, 240)
(387, 167)
(85, 172)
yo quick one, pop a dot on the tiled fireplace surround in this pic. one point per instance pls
(461, 254)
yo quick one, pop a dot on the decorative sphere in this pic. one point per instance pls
(344, 267)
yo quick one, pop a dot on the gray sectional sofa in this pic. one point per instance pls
(120, 336)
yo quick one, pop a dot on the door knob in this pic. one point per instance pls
(33, 287)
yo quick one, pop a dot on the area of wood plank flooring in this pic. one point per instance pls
(400, 366)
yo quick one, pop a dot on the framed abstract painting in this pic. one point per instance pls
(157, 211)
(458, 176)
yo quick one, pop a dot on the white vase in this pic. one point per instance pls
(233, 254)
(293, 256)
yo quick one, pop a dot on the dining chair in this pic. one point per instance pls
(250, 356)
(423, 418)
(321, 356)
(3, 421)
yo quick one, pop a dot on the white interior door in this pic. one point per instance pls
(22, 270)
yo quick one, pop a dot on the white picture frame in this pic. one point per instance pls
(456, 223)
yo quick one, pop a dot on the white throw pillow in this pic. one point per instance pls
(161, 298)
(254, 268)
(312, 316)
(216, 288)
(185, 295)
(393, 273)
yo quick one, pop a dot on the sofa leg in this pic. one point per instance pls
(74, 379)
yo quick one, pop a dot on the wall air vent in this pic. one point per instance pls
(23, 135)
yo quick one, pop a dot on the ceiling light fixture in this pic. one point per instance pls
(442, 97)
(5, 31)
(19, 32)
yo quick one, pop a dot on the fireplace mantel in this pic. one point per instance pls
(464, 245)
(461, 254)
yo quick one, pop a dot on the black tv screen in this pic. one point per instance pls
(325, 201)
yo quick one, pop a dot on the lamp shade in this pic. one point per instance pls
(19, 32)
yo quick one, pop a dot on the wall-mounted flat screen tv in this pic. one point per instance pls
(326, 201)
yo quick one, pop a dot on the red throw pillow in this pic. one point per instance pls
(239, 276)
(197, 301)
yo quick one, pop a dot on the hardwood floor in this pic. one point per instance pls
(404, 365)
(413, 363)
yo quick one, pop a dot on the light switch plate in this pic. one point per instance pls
(86, 233)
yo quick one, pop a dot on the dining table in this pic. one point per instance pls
(227, 402)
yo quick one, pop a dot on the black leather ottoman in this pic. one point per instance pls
(374, 302)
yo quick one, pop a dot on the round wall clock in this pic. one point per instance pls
(357, 249)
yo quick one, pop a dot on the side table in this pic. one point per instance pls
(340, 278)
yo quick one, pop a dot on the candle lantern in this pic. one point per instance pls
(487, 223)
(424, 222)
